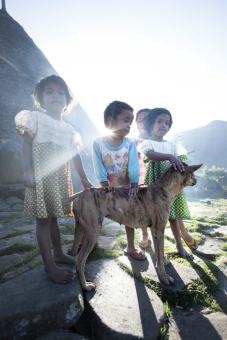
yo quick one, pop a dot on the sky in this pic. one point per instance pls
(148, 53)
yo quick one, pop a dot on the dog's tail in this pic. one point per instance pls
(70, 199)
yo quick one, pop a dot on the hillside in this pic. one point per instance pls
(209, 143)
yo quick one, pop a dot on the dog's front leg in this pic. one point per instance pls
(158, 239)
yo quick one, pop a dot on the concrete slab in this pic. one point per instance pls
(5, 245)
(112, 224)
(112, 232)
(9, 261)
(6, 215)
(61, 335)
(68, 237)
(5, 233)
(14, 273)
(222, 230)
(210, 246)
(17, 207)
(25, 227)
(221, 293)
(182, 275)
(13, 200)
(106, 242)
(106, 220)
(206, 212)
(66, 220)
(32, 305)
(198, 326)
(121, 307)
(4, 207)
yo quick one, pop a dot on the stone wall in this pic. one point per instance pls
(22, 65)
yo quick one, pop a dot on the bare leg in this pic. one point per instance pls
(58, 275)
(55, 235)
(184, 232)
(144, 241)
(130, 233)
(176, 233)
(130, 238)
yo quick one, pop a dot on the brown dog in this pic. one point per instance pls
(149, 208)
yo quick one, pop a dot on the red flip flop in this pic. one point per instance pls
(70, 247)
(137, 254)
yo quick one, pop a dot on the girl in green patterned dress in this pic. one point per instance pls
(48, 145)
(159, 154)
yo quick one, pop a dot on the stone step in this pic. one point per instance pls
(181, 274)
(32, 305)
(210, 245)
(121, 307)
(186, 325)
(61, 335)
(9, 261)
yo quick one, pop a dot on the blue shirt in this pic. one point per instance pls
(117, 165)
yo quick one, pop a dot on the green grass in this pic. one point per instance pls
(20, 247)
(220, 204)
(224, 246)
(68, 230)
(31, 255)
(17, 233)
(12, 218)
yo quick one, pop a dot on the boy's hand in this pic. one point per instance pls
(109, 189)
(176, 162)
(133, 191)
(105, 186)
(29, 181)
(86, 184)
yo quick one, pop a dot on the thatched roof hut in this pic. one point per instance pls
(22, 65)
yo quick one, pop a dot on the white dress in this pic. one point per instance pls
(53, 142)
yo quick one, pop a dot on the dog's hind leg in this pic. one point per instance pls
(91, 235)
(78, 234)
(158, 239)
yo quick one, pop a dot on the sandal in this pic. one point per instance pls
(192, 245)
(137, 254)
(70, 247)
(143, 244)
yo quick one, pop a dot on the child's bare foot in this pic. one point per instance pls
(61, 275)
(64, 258)
(187, 256)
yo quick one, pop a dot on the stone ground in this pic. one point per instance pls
(121, 307)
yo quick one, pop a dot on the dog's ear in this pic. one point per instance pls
(192, 168)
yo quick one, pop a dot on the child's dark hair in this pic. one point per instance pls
(114, 109)
(143, 110)
(153, 114)
(38, 94)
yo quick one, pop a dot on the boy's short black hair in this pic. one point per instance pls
(114, 109)
(153, 114)
(38, 94)
(137, 113)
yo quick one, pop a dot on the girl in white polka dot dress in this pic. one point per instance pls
(47, 147)
(159, 154)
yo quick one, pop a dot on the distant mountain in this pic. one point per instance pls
(209, 143)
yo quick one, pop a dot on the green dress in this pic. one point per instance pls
(154, 170)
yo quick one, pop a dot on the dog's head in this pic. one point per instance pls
(188, 175)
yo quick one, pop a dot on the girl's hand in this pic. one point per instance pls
(29, 181)
(176, 162)
(86, 184)
(133, 191)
